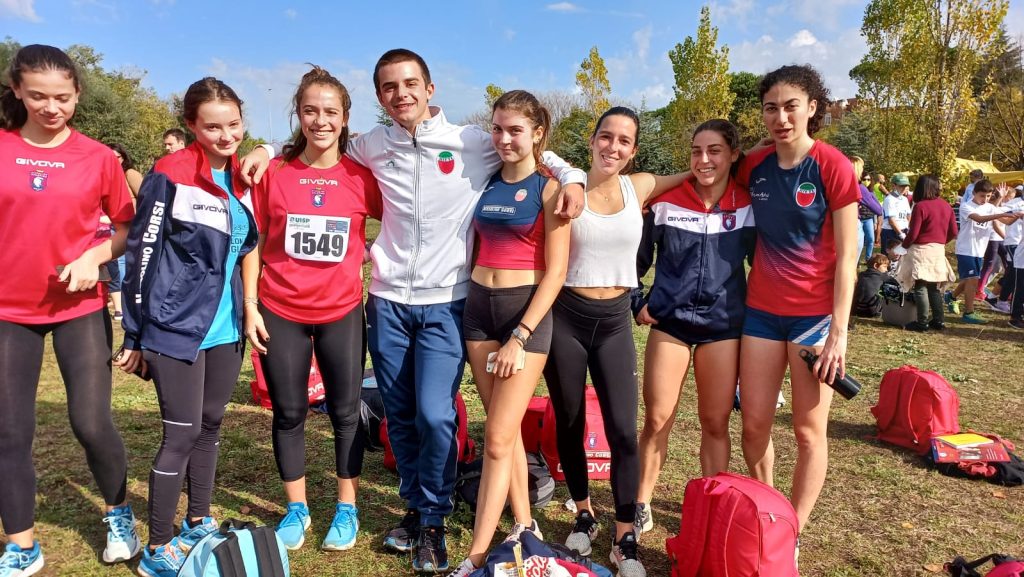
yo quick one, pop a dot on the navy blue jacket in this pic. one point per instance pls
(700, 282)
(177, 247)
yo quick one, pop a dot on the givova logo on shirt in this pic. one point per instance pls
(805, 194)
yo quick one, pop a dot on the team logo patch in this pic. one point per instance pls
(592, 440)
(37, 180)
(729, 221)
(805, 194)
(318, 196)
(446, 162)
(520, 195)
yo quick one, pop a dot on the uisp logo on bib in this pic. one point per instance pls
(805, 194)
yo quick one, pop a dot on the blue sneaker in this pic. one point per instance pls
(189, 535)
(122, 540)
(292, 527)
(164, 561)
(18, 562)
(342, 534)
(430, 554)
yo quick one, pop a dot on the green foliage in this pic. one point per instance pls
(1000, 128)
(491, 95)
(656, 144)
(570, 138)
(592, 80)
(923, 61)
(114, 106)
(383, 118)
(852, 136)
(702, 89)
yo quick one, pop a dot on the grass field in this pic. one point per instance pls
(882, 513)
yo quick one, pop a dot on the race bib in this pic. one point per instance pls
(316, 237)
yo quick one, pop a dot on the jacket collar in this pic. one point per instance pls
(436, 120)
(204, 173)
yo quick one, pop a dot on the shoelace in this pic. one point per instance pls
(292, 516)
(430, 541)
(628, 549)
(344, 517)
(120, 526)
(14, 560)
(584, 525)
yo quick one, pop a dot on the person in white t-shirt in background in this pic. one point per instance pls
(976, 214)
(896, 211)
(975, 176)
(1012, 203)
(995, 257)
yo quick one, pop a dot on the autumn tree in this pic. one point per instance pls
(922, 61)
(746, 107)
(999, 134)
(492, 92)
(702, 91)
(592, 80)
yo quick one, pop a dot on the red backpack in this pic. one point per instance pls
(734, 526)
(467, 448)
(261, 396)
(595, 443)
(1005, 566)
(914, 406)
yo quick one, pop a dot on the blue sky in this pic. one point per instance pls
(260, 47)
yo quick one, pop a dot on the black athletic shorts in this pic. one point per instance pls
(492, 313)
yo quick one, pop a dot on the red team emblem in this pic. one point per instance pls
(37, 180)
(446, 162)
(318, 196)
(520, 195)
(805, 194)
(729, 221)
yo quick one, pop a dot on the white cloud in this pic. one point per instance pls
(635, 78)
(642, 42)
(291, 14)
(833, 59)
(563, 7)
(21, 9)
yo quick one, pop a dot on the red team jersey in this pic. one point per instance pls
(51, 200)
(795, 258)
(315, 226)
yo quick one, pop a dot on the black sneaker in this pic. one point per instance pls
(624, 557)
(1019, 325)
(916, 326)
(581, 537)
(430, 555)
(402, 538)
(936, 325)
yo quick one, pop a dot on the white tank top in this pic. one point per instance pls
(602, 249)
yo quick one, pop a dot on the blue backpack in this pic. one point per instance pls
(237, 549)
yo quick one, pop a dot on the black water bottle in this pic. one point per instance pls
(847, 386)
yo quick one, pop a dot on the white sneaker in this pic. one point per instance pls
(644, 521)
(581, 537)
(1002, 307)
(464, 569)
(518, 529)
(122, 540)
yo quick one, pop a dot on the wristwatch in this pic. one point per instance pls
(521, 335)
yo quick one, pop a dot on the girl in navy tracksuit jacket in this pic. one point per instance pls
(183, 311)
(703, 231)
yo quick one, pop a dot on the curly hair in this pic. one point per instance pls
(806, 78)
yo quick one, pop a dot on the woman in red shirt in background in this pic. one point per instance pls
(925, 268)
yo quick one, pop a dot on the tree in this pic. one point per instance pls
(922, 61)
(746, 107)
(592, 80)
(570, 138)
(383, 118)
(492, 92)
(702, 89)
(999, 134)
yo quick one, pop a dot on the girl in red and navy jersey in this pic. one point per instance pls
(311, 209)
(804, 196)
(703, 231)
(55, 184)
(523, 248)
(182, 311)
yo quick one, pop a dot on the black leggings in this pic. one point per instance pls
(193, 397)
(597, 334)
(340, 353)
(82, 347)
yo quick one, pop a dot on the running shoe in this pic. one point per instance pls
(402, 538)
(518, 529)
(1017, 324)
(292, 527)
(581, 537)
(465, 569)
(624, 557)
(164, 561)
(916, 326)
(951, 303)
(644, 521)
(18, 562)
(190, 535)
(430, 555)
(1001, 307)
(342, 534)
(118, 317)
(973, 318)
(936, 325)
(122, 540)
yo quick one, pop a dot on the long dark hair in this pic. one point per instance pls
(31, 58)
(729, 132)
(806, 78)
(318, 76)
(927, 188)
(126, 161)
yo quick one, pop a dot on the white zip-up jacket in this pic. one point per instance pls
(430, 185)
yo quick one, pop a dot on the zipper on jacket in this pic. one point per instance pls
(415, 223)
(702, 273)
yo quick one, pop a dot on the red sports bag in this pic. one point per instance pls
(734, 526)
(467, 448)
(914, 406)
(595, 443)
(533, 424)
(261, 396)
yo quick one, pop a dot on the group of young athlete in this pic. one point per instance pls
(490, 250)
